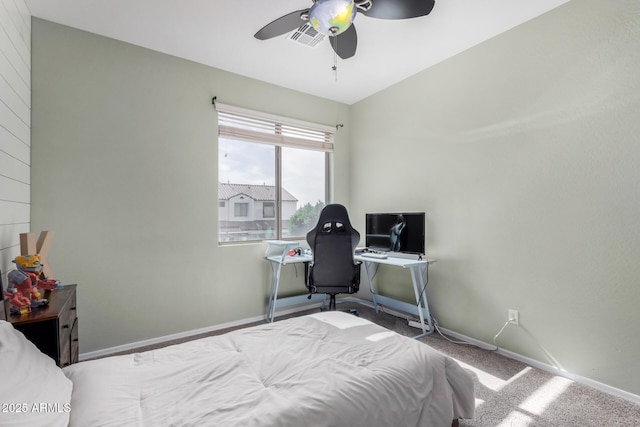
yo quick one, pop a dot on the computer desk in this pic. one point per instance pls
(276, 254)
(418, 269)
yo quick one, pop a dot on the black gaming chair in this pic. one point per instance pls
(333, 242)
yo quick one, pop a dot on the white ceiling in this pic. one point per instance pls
(219, 33)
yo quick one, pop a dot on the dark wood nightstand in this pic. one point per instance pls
(54, 328)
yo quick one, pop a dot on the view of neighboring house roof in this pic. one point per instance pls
(256, 192)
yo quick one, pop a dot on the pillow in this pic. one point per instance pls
(33, 390)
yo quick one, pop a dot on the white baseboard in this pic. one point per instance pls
(634, 398)
(186, 334)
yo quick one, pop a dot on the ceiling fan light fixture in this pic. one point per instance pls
(332, 17)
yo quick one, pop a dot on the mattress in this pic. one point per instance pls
(325, 369)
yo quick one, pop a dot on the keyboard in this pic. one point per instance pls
(374, 255)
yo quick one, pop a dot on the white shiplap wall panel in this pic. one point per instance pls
(12, 24)
(20, 62)
(12, 146)
(21, 87)
(24, 26)
(15, 213)
(14, 191)
(15, 128)
(14, 124)
(13, 101)
(11, 236)
(10, 246)
(14, 168)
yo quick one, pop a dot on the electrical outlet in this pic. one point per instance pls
(514, 316)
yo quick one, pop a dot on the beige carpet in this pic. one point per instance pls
(510, 393)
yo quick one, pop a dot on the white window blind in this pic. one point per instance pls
(247, 125)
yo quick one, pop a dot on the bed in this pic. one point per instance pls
(325, 369)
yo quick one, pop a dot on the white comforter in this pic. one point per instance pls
(325, 369)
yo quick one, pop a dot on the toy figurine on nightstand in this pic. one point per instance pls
(22, 295)
(33, 273)
(32, 267)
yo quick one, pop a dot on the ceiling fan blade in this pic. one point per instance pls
(399, 9)
(282, 25)
(345, 43)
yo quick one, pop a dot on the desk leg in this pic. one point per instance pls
(273, 295)
(368, 267)
(417, 275)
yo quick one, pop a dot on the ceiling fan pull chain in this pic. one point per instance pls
(335, 63)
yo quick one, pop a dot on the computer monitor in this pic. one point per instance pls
(396, 232)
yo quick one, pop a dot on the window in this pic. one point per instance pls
(278, 167)
(241, 209)
(268, 210)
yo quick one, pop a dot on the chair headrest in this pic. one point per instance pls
(335, 214)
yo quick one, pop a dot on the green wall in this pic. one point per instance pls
(524, 153)
(125, 174)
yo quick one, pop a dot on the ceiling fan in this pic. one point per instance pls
(334, 18)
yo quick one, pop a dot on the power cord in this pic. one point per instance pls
(295, 268)
(375, 272)
(424, 288)
(498, 334)
(437, 329)
(433, 319)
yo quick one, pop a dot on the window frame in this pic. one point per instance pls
(238, 123)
